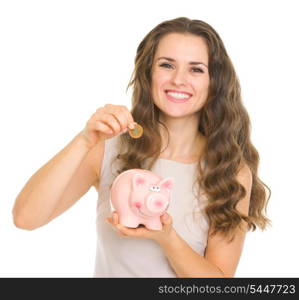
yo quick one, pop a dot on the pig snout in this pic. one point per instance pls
(156, 204)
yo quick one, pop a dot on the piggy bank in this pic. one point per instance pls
(140, 197)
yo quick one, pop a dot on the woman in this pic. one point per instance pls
(186, 96)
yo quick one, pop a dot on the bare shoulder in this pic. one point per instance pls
(244, 177)
(244, 172)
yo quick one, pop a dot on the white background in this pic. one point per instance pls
(61, 60)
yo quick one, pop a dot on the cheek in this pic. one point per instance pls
(203, 86)
(159, 79)
(206, 82)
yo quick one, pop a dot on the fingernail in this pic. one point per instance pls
(131, 126)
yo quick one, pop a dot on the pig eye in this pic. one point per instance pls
(155, 188)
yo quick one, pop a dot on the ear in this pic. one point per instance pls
(167, 183)
(138, 181)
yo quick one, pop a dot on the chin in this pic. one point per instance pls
(174, 114)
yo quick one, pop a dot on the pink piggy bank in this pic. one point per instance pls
(140, 197)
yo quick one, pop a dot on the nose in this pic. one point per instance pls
(179, 77)
(156, 203)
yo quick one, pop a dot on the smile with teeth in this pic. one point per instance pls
(178, 95)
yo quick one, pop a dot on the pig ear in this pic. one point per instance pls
(139, 180)
(167, 183)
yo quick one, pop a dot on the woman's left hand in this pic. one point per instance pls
(142, 232)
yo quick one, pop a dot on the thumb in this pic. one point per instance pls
(166, 219)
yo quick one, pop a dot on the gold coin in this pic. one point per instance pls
(136, 132)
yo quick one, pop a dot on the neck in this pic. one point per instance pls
(185, 141)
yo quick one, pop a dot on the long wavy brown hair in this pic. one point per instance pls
(223, 121)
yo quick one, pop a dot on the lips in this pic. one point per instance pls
(176, 100)
(181, 92)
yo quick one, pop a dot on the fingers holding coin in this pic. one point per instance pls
(136, 132)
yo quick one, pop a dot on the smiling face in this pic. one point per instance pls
(180, 65)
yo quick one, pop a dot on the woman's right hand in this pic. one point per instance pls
(107, 122)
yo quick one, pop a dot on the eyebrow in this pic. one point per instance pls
(191, 62)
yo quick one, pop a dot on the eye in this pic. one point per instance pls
(198, 70)
(164, 64)
(155, 188)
